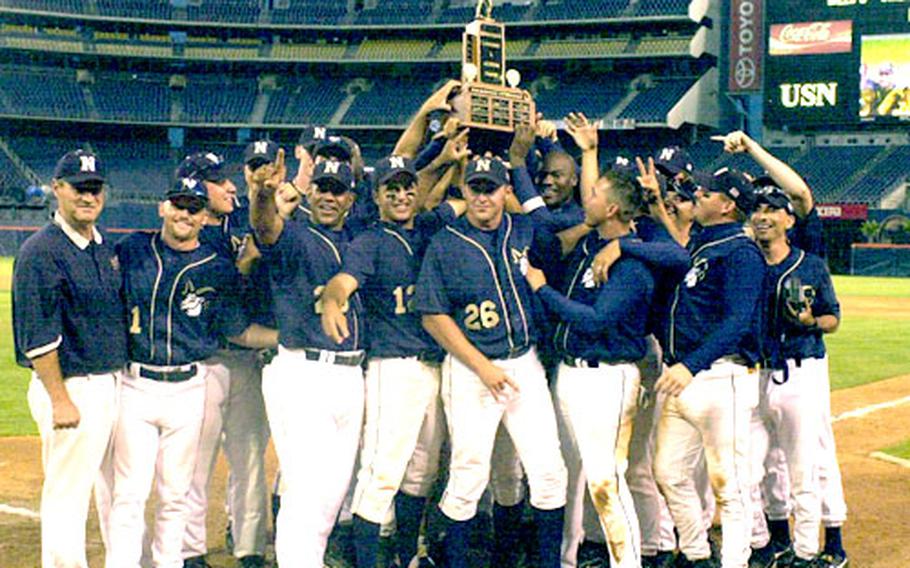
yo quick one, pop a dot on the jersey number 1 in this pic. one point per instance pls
(135, 329)
(403, 299)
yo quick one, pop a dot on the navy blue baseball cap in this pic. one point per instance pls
(188, 188)
(310, 136)
(486, 169)
(774, 197)
(260, 152)
(392, 167)
(671, 160)
(79, 167)
(333, 176)
(624, 165)
(735, 185)
(207, 166)
(337, 147)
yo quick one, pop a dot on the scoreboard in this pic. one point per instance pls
(837, 63)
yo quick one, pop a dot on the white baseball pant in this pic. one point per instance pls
(72, 459)
(598, 406)
(474, 414)
(791, 418)
(713, 414)
(234, 407)
(775, 486)
(315, 412)
(403, 432)
(156, 439)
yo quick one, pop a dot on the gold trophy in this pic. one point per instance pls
(485, 102)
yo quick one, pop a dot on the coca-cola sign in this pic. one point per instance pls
(806, 38)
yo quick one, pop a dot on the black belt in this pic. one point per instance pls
(334, 357)
(434, 357)
(589, 363)
(167, 376)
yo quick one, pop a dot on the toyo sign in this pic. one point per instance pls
(746, 45)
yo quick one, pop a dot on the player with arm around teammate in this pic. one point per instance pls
(710, 345)
(404, 426)
(478, 307)
(181, 297)
(66, 287)
(600, 337)
(802, 307)
(313, 388)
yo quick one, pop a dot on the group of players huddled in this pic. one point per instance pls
(636, 349)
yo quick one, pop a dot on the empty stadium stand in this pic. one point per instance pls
(652, 104)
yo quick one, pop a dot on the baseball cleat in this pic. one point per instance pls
(763, 557)
(831, 560)
(196, 562)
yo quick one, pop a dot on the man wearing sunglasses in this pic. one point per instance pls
(68, 322)
(234, 405)
(313, 388)
(181, 297)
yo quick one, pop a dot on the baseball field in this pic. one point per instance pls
(870, 364)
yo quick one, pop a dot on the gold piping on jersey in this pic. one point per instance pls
(401, 239)
(695, 253)
(565, 325)
(337, 254)
(505, 257)
(502, 299)
(170, 300)
(154, 298)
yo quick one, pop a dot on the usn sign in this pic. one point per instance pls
(808, 95)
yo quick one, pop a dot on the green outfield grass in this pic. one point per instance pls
(901, 450)
(865, 349)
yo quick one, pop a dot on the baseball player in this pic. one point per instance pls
(66, 286)
(484, 319)
(404, 425)
(806, 233)
(802, 307)
(314, 385)
(711, 347)
(180, 296)
(233, 400)
(600, 337)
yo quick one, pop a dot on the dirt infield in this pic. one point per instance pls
(877, 492)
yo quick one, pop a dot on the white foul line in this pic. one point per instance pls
(27, 513)
(890, 459)
(860, 412)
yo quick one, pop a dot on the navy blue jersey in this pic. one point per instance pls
(385, 261)
(716, 311)
(475, 277)
(808, 234)
(227, 239)
(807, 275)
(66, 296)
(180, 302)
(305, 257)
(649, 230)
(556, 219)
(601, 322)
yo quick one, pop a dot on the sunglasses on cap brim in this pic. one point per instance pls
(89, 186)
(483, 186)
(331, 186)
(192, 205)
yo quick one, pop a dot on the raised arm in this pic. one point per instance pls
(412, 137)
(785, 176)
(264, 216)
(586, 137)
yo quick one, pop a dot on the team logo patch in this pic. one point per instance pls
(587, 279)
(193, 302)
(697, 273)
(520, 257)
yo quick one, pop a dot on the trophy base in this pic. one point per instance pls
(493, 107)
